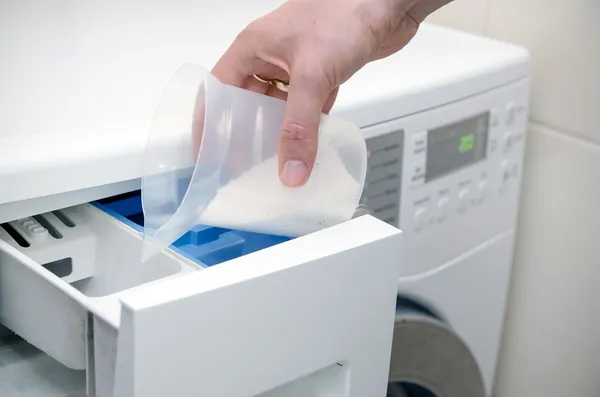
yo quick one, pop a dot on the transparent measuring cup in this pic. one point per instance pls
(211, 159)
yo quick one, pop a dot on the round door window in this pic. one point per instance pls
(429, 359)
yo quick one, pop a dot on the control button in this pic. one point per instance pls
(518, 136)
(494, 117)
(421, 219)
(482, 192)
(507, 142)
(419, 158)
(463, 200)
(511, 114)
(493, 144)
(443, 209)
(514, 170)
(417, 180)
(419, 141)
(418, 170)
(506, 171)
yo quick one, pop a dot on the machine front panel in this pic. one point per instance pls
(449, 177)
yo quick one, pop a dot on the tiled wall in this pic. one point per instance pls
(552, 340)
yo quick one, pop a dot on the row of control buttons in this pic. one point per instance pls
(466, 199)
(507, 142)
(508, 170)
(511, 111)
(419, 158)
(421, 219)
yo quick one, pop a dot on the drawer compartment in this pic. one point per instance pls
(49, 308)
(116, 320)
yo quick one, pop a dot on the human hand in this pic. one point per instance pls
(315, 45)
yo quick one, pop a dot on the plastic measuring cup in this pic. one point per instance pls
(211, 159)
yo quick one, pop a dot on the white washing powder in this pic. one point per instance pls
(258, 201)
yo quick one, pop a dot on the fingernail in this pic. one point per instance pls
(294, 173)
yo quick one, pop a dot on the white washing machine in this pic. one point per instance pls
(318, 315)
(445, 120)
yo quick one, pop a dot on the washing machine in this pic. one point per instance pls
(445, 121)
(409, 299)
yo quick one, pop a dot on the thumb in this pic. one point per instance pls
(298, 143)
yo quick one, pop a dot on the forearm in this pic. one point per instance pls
(393, 23)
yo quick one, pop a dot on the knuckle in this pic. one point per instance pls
(252, 30)
(316, 77)
(295, 132)
(298, 141)
(247, 33)
(254, 26)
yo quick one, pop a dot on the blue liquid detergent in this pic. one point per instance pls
(206, 245)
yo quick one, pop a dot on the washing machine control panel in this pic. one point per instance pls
(383, 185)
(449, 177)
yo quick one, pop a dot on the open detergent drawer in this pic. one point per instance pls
(221, 312)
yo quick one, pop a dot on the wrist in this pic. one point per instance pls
(420, 9)
(381, 18)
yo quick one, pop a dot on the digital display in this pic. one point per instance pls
(455, 146)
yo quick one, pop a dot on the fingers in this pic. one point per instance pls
(268, 71)
(232, 68)
(298, 144)
(236, 63)
(330, 101)
(309, 95)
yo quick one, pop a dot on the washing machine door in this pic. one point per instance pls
(429, 359)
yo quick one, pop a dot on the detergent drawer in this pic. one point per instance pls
(269, 310)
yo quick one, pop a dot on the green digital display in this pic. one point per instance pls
(466, 143)
(456, 145)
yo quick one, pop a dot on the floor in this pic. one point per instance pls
(27, 372)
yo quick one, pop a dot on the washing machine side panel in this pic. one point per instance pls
(471, 293)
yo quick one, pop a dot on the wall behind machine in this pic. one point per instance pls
(552, 342)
